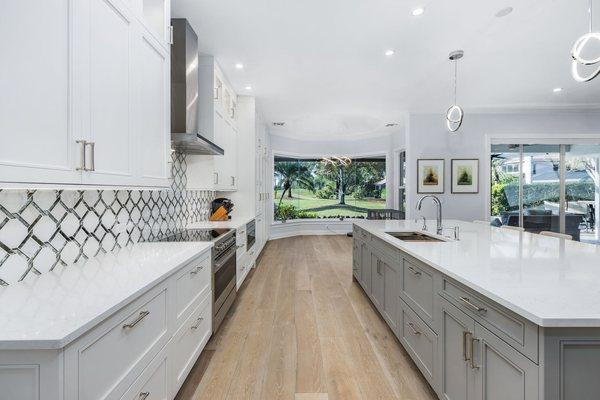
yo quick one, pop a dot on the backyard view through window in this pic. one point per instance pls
(332, 187)
(547, 187)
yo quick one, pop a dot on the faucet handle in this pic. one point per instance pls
(424, 228)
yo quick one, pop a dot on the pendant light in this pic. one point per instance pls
(577, 50)
(455, 114)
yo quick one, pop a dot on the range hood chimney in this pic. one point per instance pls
(185, 135)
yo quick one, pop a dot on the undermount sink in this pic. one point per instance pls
(414, 237)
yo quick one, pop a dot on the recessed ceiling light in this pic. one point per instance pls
(389, 53)
(504, 12)
(557, 90)
(248, 87)
(239, 66)
(418, 11)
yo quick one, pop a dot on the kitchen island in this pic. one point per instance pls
(497, 314)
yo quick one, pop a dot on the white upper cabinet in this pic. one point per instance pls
(37, 142)
(89, 105)
(107, 49)
(154, 74)
(215, 101)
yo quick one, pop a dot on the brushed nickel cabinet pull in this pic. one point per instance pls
(474, 307)
(92, 156)
(140, 317)
(198, 322)
(473, 365)
(414, 271)
(466, 334)
(82, 144)
(144, 395)
(414, 330)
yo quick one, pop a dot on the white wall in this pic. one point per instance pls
(427, 137)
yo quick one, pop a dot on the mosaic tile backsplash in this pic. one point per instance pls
(40, 229)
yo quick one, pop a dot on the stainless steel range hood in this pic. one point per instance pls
(185, 135)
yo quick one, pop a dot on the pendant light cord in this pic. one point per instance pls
(455, 79)
(591, 16)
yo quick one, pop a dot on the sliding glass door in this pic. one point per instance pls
(546, 187)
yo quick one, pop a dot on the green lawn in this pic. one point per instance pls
(305, 200)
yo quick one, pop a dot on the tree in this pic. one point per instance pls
(291, 172)
(348, 177)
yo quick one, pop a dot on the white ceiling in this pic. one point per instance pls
(319, 65)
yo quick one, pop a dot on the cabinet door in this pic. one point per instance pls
(377, 281)
(153, 109)
(232, 157)
(220, 139)
(390, 294)
(365, 265)
(456, 375)
(36, 118)
(356, 269)
(156, 17)
(502, 372)
(110, 38)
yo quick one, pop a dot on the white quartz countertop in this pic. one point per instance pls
(234, 223)
(53, 309)
(551, 282)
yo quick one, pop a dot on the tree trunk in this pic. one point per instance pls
(282, 194)
(341, 188)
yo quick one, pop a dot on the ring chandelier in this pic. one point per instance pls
(579, 60)
(334, 160)
(455, 114)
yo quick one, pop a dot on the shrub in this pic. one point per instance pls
(327, 192)
(306, 215)
(535, 194)
(285, 212)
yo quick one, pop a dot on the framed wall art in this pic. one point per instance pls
(465, 175)
(430, 176)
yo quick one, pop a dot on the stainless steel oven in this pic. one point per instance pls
(250, 234)
(223, 265)
(224, 278)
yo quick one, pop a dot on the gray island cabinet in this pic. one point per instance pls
(468, 346)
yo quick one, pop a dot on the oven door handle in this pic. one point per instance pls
(224, 259)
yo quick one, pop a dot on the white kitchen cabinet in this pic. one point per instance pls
(105, 50)
(157, 16)
(147, 345)
(37, 125)
(101, 101)
(153, 145)
(214, 103)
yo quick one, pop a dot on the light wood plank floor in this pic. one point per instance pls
(301, 329)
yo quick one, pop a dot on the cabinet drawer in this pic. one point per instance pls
(153, 384)
(361, 234)
(115, 352)
(515, 330)
(385, 248)
(192, 283)
(418, 289)
(355, 249)
(189, 342)
(418, 340)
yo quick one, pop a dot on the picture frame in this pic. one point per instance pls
(430, 176)
(465, 175)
